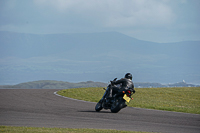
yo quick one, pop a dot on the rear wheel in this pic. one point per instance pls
(117, 105)
(98, 106)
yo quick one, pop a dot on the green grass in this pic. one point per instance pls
(180, 99)
(11, 129)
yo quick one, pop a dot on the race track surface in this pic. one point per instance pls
(42, 108)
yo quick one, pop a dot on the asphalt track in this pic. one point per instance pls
(42, 108)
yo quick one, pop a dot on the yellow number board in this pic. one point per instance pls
(126, 98)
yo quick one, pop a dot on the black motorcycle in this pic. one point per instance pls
(116, 102)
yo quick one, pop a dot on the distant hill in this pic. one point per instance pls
(51, 84)
(95, 57)
(158, 85)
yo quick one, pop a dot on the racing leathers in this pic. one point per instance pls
(125, 84)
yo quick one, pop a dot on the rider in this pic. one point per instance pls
(125, 84)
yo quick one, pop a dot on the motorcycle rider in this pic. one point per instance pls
(125, 84)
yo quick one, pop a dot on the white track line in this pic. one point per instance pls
(71, 98)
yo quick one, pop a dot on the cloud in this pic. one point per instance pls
(137, 18)
(115, 13)
(141, 13)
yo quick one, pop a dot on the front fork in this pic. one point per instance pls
(105, 93)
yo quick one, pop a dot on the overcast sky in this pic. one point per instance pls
(150, 20)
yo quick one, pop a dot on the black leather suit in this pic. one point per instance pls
(124, 83)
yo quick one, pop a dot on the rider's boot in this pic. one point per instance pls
(109, 96)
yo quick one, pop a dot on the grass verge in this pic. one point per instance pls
(180, 99)
(11, 129)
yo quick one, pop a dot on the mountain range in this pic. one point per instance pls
(52, 84)
(100, 57)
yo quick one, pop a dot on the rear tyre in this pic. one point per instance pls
(117, 105)
(98, 106)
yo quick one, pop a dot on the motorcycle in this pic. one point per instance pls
(117, 102)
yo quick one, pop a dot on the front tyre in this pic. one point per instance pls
(117, 105)
(98, 106)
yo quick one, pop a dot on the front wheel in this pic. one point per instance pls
(117, 105)
(98, 106)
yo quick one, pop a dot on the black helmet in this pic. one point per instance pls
(128, 76)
